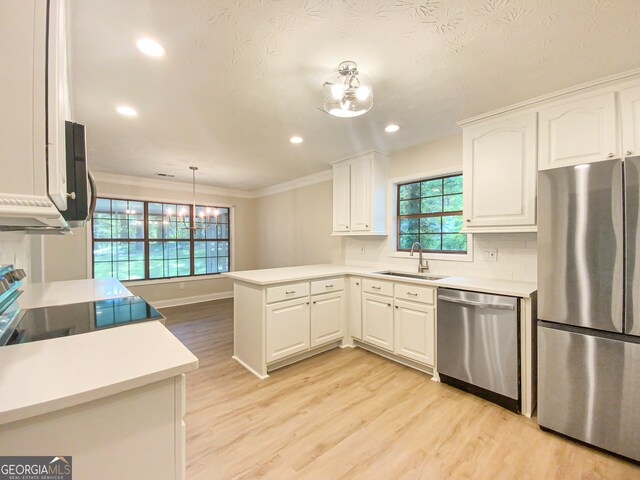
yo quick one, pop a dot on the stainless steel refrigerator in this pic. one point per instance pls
(589, 303)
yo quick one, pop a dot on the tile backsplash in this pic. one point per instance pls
(516, 257)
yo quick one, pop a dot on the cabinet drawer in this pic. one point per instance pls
(287, 292)
(381, 287)
(327, 285)
(409, 291)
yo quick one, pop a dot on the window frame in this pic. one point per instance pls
(146, 242)
(395, 184)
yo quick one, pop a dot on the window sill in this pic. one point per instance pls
(160, 281)
(451, 257)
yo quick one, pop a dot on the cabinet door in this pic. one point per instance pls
(414, 331)
(341, 198)
(287, 328)
(22, 81)
(630, 116)
(377, 320)
(361, 195)
(578, 131)
(355, 308)
(57, 103)
(328, 318)
(499, 172)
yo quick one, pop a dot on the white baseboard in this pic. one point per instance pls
(260, 376)
(174, 302)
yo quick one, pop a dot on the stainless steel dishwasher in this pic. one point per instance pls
(478, 345)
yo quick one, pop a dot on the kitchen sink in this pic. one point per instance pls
(410, 275)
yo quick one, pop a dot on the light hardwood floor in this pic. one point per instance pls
(348, 413)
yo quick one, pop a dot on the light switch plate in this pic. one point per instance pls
(490, 254)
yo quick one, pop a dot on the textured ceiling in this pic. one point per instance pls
(242, 76)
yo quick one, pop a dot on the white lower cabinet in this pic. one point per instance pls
(355, 307)
(287, 328)
(328, 317)
(377, 320)
(414, 331)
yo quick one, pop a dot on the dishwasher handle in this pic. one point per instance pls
(499, 306)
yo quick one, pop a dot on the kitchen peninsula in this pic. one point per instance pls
(284, 315)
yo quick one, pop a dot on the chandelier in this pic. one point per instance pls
(205, 218)
(348, 92)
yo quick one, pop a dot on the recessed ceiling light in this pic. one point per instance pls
(150, 47)
(295, 139)
(391, 128)
(126, 111)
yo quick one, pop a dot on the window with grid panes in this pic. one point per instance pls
(135, 240)
(430, 212)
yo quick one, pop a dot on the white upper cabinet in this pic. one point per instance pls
(578, 130)
(57, 103)
(35, 107)
(341, 198)
(499, 172)
(359, 195)
(630, 118)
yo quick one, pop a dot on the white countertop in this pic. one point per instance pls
(45, 376)
(36, 295)
(270, 276)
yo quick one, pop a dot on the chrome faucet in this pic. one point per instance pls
(423, 265)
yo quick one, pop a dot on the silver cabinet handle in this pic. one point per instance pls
(396, 306)
(314, 302)
(375, 288)
(289, 293)
(500, 306)
(629, 152)
(412, 294)
(71, 195)
(328, 286)
(388, 304)
(468, 219)
(94, 195)
(366, 226)
(308, 303)
(611, 155)
(357, 284)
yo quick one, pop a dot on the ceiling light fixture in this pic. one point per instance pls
(349, 93)
(150, 47)
(392, 128)
(296, 139)
(201, 217)
(126, 111)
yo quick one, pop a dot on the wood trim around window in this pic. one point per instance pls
(146, 240)
(399, 217)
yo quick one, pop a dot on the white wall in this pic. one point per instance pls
(15, 249)
(517, 254)
(294, 228)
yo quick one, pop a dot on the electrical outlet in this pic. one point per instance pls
(181, 285)
(490, 254)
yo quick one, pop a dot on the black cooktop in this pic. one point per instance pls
(64, 320)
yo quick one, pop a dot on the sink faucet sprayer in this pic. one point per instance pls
(423, 265)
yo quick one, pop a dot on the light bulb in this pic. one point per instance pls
(337, 91)
(363, 92)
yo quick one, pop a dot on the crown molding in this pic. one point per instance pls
(610, 80)
(312, 179)
(168, 185)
